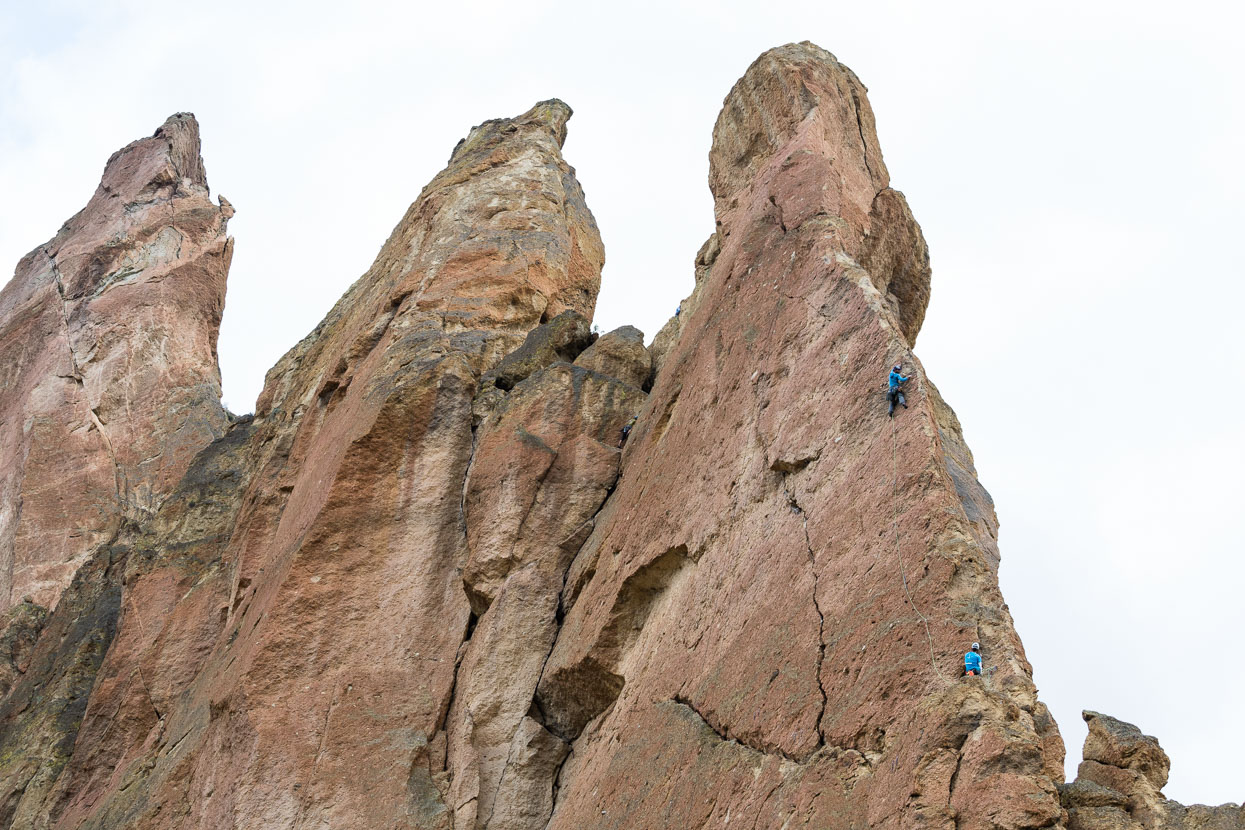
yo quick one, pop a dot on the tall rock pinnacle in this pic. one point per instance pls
(108, 350)
(770, 612)
(799, 108)
(298, 609)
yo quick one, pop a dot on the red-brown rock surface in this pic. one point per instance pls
(428, 586)
(738, 640)
(288, 628)
(108, 359)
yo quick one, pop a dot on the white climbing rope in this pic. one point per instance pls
(933, 661)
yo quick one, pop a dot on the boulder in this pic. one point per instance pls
(1119, 781)
(563, 338)
(619, 354)
(1119, 744)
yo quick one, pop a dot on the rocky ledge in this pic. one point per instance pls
(1119, 782)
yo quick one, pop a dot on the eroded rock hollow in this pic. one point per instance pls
(426, 584)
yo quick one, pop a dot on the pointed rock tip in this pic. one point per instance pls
(793, 56)
(553, 114)
(181, 131)
(168, 157)
(179, 121)
(769, 101)
(550, 115)
(805, 50)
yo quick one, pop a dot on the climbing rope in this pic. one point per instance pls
(933, 662)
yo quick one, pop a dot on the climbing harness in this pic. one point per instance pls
(933, 661)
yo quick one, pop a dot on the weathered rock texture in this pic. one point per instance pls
(1119, 785)
(427, 586)
(738, 639)
(108, 377)
(278, 644)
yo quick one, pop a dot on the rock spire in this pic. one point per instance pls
(108, 349)
(431, 584)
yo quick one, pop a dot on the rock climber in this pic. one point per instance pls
(626, 430)
(678, 310)
(894, 393)
(972, 660)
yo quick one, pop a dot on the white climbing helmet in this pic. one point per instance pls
(976, 646)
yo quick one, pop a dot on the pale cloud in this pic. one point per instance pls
(1076, 168)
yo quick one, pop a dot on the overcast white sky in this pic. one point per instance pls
(1077, 169)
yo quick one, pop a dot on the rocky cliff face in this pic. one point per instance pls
(766, 622)
(108, 362)
(427, 585)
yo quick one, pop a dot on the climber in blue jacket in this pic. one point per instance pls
(894, 393)
(972, 660)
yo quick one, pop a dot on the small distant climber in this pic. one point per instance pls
(678, 310)
(894, 392)
(972, 660)
(626, 430)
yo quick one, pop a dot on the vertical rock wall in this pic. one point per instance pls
(767, 623)
(109, 383)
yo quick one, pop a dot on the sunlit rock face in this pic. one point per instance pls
(432, 584)
(109, 384)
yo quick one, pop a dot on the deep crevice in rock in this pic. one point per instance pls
(576, 695)
(821, 617)
(860, 127)
(724, 734)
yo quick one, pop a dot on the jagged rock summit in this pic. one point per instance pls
(1119, 783)
(428, 584)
